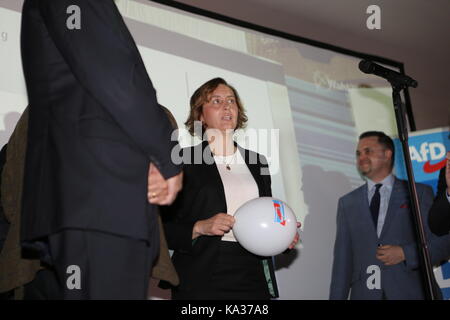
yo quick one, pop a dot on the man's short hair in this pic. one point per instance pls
(383, 139)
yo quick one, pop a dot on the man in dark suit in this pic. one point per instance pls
(3, 222)
(376, 252)
(440, 211)
(94, 127)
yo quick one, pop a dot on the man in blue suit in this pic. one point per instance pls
(376, 252)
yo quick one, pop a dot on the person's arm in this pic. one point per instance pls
(105, 60)
(411, 256)
(217, 225)
(177, 218)
(181, 233)
(439, 216)
(444, 180)
(342, 262)
(4, 223)
(178, 232)
(390, 254)
(439, 245)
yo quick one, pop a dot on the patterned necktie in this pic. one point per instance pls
(375, 204)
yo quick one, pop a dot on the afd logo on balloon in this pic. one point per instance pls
(280, 216)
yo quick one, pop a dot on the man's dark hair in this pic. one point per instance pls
(383, 139)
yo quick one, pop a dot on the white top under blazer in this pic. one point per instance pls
(238, 183)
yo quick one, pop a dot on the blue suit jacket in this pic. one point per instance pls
(356, 244)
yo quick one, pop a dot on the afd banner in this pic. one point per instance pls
(427, 149)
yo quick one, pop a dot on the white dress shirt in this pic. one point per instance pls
(385, 195)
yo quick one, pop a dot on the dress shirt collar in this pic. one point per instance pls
(386, 182)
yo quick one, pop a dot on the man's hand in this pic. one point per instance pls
(390, 255)
(157, 185)
(174, 184)
(161, 191)
(217, 225)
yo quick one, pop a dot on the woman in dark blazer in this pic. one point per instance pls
(219, 176)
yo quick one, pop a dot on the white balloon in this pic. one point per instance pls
(265, 226)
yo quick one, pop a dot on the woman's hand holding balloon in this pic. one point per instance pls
(217, 225)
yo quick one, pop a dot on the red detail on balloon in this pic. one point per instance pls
(278, 211)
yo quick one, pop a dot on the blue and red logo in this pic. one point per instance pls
(427, 151)
(430, 168)
(279, 212)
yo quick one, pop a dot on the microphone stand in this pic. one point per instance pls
(421, 236)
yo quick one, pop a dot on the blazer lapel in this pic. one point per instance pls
(398, 197)
(254, 170)
(211, 173)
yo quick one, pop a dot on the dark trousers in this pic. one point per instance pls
(45, 286)
(94, 265)
(236, 275)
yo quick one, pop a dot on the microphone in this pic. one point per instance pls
(392, 76)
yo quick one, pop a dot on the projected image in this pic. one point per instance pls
(13, 98)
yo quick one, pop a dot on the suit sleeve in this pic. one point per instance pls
(442, 185)
(439, 247)
(265, 174)
(439, 218)
(342, 262)
(177, 218)
(178, 231)
(4, 223)
(104, 58)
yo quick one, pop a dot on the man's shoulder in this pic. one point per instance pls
(358, 192)
(420, 187)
